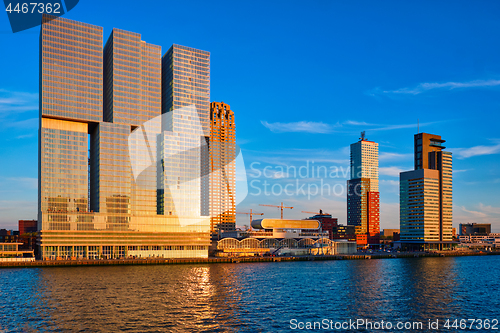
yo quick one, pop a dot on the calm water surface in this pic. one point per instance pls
(254, 297)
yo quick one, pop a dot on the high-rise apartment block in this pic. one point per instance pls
(222, 155)
(426, 196)
(362, 192)
(121, 169)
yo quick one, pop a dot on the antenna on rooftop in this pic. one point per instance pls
(418, 125)
(363, 136)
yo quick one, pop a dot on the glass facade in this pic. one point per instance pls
(132, 85)
(222, 155)
(186, 82)
(71, 70)
(110, 174)
(98, 155)
(63, 176)
(180, 150)
(363, 210)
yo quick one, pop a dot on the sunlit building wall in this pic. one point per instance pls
(222, 155)
(180, 148)
(70, 98)
(363, 201)
(91, 205)
(426, 195)
(132, 96)
(185, 82)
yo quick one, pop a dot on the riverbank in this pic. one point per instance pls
(157, 261)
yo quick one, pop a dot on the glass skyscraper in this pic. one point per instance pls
(363, 201)
(100, 113)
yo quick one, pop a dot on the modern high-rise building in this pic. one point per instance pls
(363, 202)
(222, 155)
(98, 156)
(186, 82)
(132, 97)
(426, 196)
(180, 146)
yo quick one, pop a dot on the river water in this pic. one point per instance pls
(253, 297)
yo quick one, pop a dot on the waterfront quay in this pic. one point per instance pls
(214, 260)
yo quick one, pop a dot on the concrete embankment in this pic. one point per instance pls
(156, 261)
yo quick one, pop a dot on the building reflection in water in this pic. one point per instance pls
(415, 289)
(184, 298)
(256, 297)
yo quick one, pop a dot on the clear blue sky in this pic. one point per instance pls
(304, 78)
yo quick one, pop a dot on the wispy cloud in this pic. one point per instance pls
(17, 101)
(25, 136)
(480, 213)
(385, 156)
(349, 126)
(12, 211)
(299, 126)
(28, 182)
(19, 182)
(30, 123)
(358, 123)
(424, 87)
(392, 171)
(402, 126)
(462, 153)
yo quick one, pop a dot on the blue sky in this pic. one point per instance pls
(303, 81)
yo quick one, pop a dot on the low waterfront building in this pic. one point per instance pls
(282, 237)
(11, 252)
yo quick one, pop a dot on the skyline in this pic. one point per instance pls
(264, 111)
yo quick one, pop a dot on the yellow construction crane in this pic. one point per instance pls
(280, 206)
(251, 216)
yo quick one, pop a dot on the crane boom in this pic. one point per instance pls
(251, 216)
(280, 206)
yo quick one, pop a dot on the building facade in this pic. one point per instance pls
(100, 113)
(363, 200)
(186, 82)
(222, 180)
(27, 226)
(467, 229)
(426, 196)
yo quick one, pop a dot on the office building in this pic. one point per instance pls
(468, 229)
(363, 201)
(186, 82)
(426, 196)
(132, 101)
(222, 155)
(100, 113)
(389, 232)
(181, 146)
(27, 226)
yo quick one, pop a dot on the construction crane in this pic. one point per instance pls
(315, 213)
(280, 206)
(251, 216)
